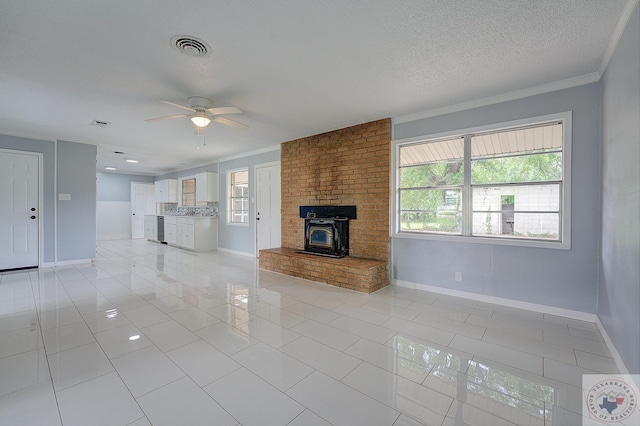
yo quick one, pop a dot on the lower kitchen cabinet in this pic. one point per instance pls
(195, 233)
(151, 227)
(170, 230)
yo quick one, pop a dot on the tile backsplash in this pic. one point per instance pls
(172, 209)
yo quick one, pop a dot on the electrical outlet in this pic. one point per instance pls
(458, 277)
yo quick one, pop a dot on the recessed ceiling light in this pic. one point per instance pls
(110, 168)
(134, 337)
(132, 161)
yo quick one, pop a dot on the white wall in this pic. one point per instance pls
(113, 220)
(619, 287)
(114, 204)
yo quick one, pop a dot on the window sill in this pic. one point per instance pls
(517, 242)
(242, 225)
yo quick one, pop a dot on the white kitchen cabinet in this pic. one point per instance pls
(170, 230)
(207, 186)
(184, 235)
(166, 191)
(196, 233)
(151, 227)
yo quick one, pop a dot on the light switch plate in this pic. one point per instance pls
(64, 197)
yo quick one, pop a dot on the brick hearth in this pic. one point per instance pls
(364, 275)
(345, 167)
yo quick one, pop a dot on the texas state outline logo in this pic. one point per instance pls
(610, 399)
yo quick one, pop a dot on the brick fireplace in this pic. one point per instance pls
(349, 166)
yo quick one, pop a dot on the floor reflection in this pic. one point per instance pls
(516, 397)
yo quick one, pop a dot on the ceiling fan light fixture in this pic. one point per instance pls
(200, 119)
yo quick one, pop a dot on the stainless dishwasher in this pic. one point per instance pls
(161, 229)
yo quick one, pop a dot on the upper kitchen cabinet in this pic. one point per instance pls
(206, 186)
(166, 191)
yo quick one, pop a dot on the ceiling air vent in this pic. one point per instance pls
(190, 45)
(100, 123)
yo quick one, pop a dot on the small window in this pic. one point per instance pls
(189, 192)
(509, 184)
(238, 196)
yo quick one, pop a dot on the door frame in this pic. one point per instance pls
(254, 205)
(40, 157)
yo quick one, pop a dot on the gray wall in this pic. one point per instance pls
(116, 186)
(619, 289)
(234, 237)
(561, 278)
(76, 219)
(47, 148)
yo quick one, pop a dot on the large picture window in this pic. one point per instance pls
(507, 183)
(238, 196)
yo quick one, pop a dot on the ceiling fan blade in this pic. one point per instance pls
(231, 123)
(167, 117)
(178, 106)
(223, 110)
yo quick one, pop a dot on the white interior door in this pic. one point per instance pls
(19, 210)
(142, 202)
(268, 226)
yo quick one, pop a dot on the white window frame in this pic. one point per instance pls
(565, 187)
(229, 198)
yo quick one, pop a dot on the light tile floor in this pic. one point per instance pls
(149, 334)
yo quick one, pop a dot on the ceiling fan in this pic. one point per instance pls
(203, 112)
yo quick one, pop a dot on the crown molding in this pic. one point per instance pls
(504, 97)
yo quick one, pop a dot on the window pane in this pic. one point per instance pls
(189, 185)
(432, 152)
(431, 199)
(540, 226)
(240, 177)
(189, 192)
(540, 138)
(536, 198)
(445, 222)
(527, 168)
(239, 191)
(188, 200)
(437, 174)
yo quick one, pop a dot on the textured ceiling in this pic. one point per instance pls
(295, 68)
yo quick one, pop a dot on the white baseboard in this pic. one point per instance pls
(544, 309)
(65, 263)
(241, 253)
(109, 237)
(614, 352)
